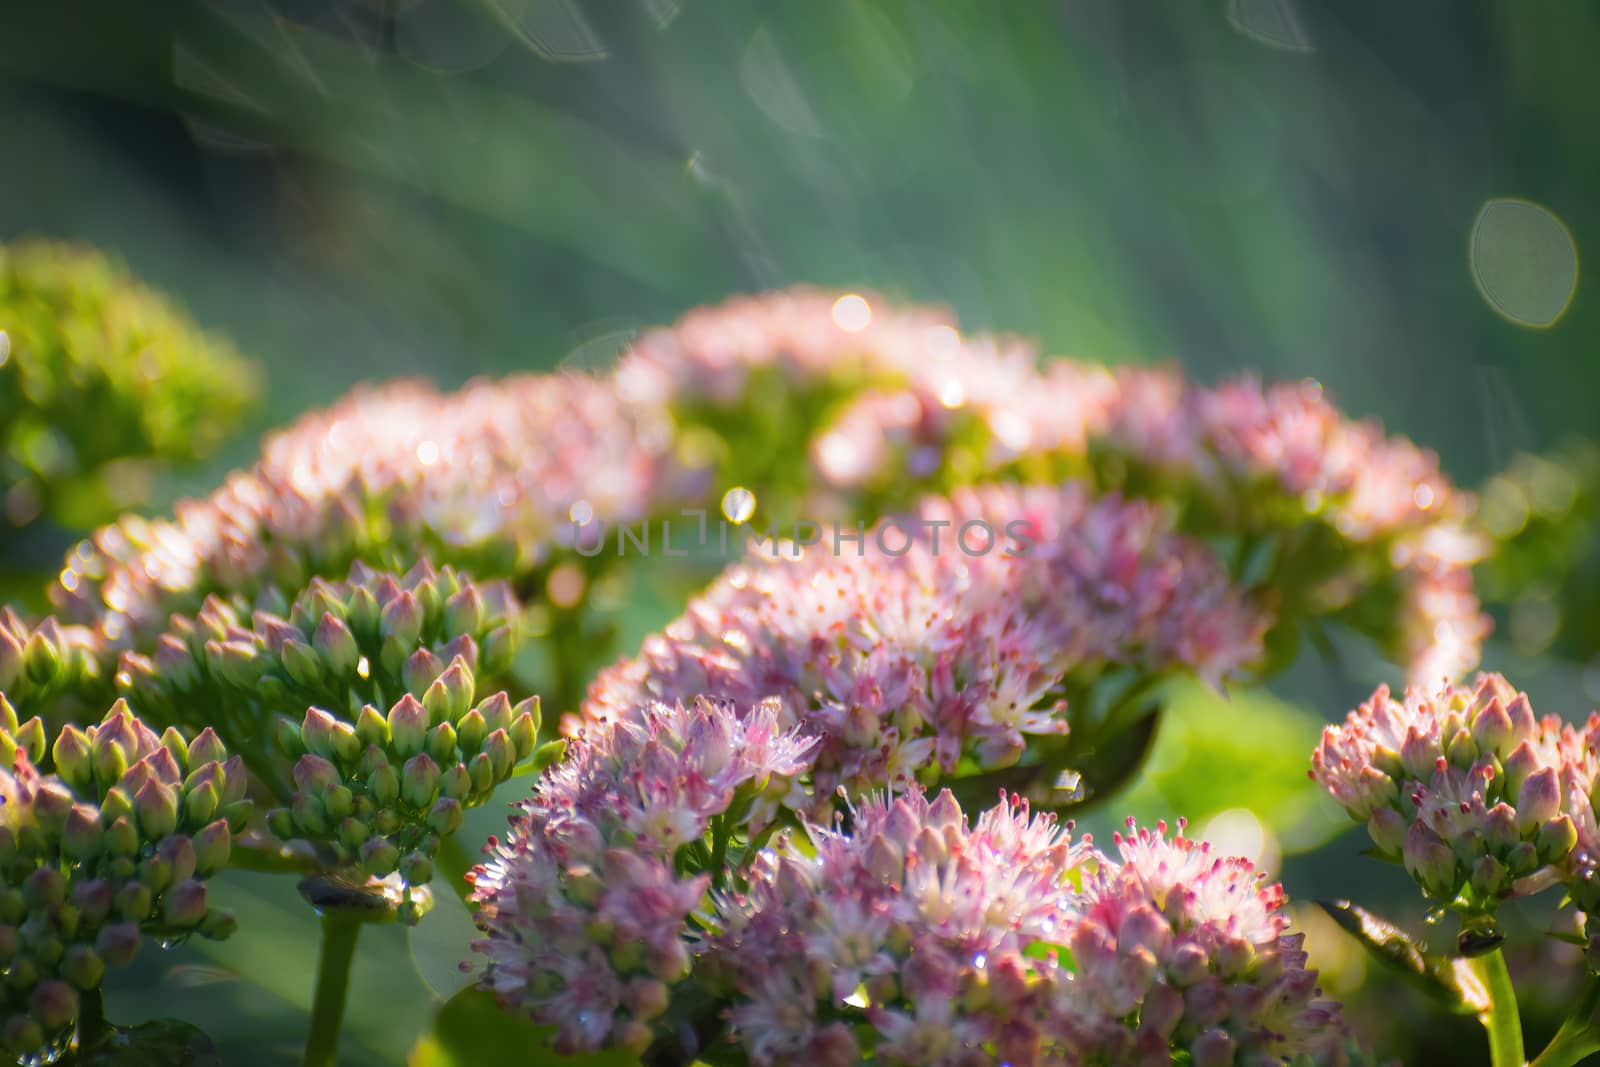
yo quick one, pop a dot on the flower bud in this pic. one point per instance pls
(200, 803)
(313, 774)
(1429, 861)
(133, 902)
(80, 837)
(54, 1004)
(286, 736)
(316, 732)
(1489, 877)
(44, 887)
(74, 759)
(524, 734)
(82, 966)
(338, 802)
(372, 728)
(441, 744)
(41, 660)
(218, 925)
(502, 754)
(363, 612)
(450, 695)
(1387, 828)
(22, 1036)
(118, 943)
(445, 817)
(1538, 798)
(206, 748)
(184, 904)
(212, 845)
(401, 620)
(408, 725)
(93, 899)
(1522, 762)
(379, 857)
(308, 815)
(416, 869)
(499, 648)
(496, 712)
(121, 837)
(1557, 837)
(337, 646)
(464, 612)
(471, 731)
(280, 824)
(481, 770)
(383, 785)
(419, 781)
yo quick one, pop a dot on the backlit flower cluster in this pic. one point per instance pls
(1464, 785)
(585, 903)
(483, 478)
(632, 892)
(903, 662)
(43, 664)
(116, 844)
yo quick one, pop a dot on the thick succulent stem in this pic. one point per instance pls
(339, 933)
(1500, 1018)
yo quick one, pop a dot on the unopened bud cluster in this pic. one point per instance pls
(116, 844)
(40, 663)
(339, 645)
(1463, 785)
(382, 792)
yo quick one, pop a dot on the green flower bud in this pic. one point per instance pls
(280, 824)
(363, 613)
(401, 620)
(471, 731)
(11, 666)
(173, 742)
(206, 748)
(481, 770)
(157, 808)
(337, 646)
(450, 695)
(121, 837)
(80, 838)
(383, 785)
(441, 744)
(184, 904)
(212, 845)
(109, 760)
(372, 728)
(548, 753)
(316, 732)
(496, 712)
(41, 660)
(308, 816)
(387, 821)
(353, 833)
(456, 783)
(416, 869)
(445, 817)
(502, 753)
(408, 724)
(179, 852)
(200, 803)
(420, 670)
(237, 814)
(22, 973)
(218, 925)
(379, 857)
(313, 774)
(419, 781)
(133, 903)
(82, 966)
(463, 612)
(286, 736)
(93, 899)
(156, 873)
(30, 738)
(499, 647)
(524, 733)
(54, 1003)
(302, 664)
(44, 887)
(338, 802)
(118, 944)
(235, 662)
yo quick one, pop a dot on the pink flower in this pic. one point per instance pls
(583, 908)
(1464, 785)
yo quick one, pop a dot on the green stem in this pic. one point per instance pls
(339, 933)
(91, 1017)
(1579, 1036)
(1500, 1019)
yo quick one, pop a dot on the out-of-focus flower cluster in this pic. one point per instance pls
(1478, 798)
(98, 376)
(483, 478)
(44, 665)
(116, 844)
(902, 663)
(1328, 515)
(358, 707)
(894, 400)
(586, 901)
(639, 900)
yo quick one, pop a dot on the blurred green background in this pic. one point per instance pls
(1389, 198)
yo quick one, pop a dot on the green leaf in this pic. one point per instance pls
(161, 1043)
(1450, 980)
(472, 1030)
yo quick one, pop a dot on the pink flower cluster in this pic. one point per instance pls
(901, 931)
(584, 908)
(1478, 798)
(483, 477)
(902, 663)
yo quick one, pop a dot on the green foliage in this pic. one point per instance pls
(100, 376)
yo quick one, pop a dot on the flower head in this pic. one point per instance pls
(583, 906)
(1464, 785)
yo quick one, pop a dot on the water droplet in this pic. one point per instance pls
(738, 504)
